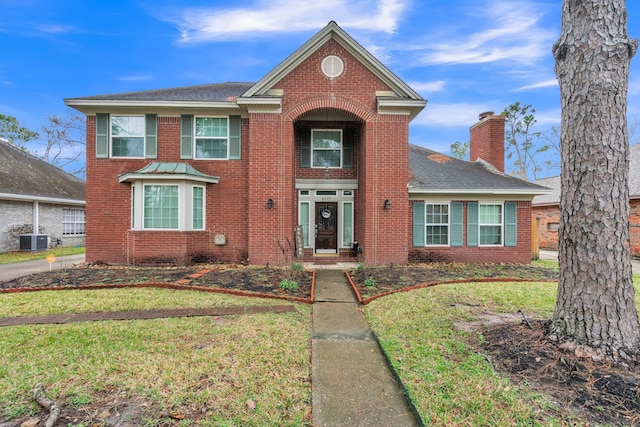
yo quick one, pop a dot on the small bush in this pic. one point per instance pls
(369, 282)
(359, 267)
(289, 285)
(296, 266)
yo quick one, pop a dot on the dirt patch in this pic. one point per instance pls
(252, 280)
(596, 393)
(374, 281)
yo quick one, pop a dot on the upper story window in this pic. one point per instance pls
(326, 147)
(212, 138)
(127, 136)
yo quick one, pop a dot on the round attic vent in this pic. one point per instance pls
(332, 66)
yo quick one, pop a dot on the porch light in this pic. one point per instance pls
(387, 204)
(269, 203)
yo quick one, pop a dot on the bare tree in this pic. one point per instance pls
(596, 306)
(65, 142)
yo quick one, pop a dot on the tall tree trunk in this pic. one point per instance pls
(596, 305)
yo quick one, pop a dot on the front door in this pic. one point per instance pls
(326, 227)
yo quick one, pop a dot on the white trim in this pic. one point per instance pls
(448, 224)
(501, 224)
(52, 200)
(479, 191)
(146, 104)
(326, 184)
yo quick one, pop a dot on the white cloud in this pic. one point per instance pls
(428, 87)
(284, 16)
(450, 115)
(54, 28)
(134, 78)
(547, 83)
(514, 33)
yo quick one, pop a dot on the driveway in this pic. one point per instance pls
(553, 256)
(17, 269)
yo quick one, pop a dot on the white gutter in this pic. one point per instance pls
(52, 200)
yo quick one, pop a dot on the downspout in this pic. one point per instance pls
(36, 220)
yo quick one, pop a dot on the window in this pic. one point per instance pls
(160, 206)
(326, 148)
(73, 222)
(304, 222)
(168, 205)
(437, 224)
(347, 224)
(127, 136)
(430, 224)
(490, 224)
(553, 226)
(198, 208)
(212, 137)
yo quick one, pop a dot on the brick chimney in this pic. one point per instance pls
(487, 140)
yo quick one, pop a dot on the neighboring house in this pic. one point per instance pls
(37, 198)
(546, 208)
(311, 163)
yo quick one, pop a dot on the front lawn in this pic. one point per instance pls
(249, 370)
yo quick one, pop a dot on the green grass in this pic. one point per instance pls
(7, 257)
(182, 365)
(449, 383)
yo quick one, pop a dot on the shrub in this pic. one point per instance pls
(289, 285)
(369, 282)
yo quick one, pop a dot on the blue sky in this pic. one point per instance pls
(464, 57)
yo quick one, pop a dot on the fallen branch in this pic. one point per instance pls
(48, 404)
(525, 319)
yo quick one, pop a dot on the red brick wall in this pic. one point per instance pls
(547, 236)
(236, 206)
(487, 141)
(548, 239)
(634, 222)
(521, 253)
(108, 211)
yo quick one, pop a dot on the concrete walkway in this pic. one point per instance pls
(352, 382)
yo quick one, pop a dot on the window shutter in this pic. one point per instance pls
(186, 136)
(235, 128)
(305, 148)
(347, 147)
(472, 224)
(456, 224)
(151, 136)
(418, 224)
(102, 135)
(510, 224)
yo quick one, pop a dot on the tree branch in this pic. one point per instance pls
(45, 402)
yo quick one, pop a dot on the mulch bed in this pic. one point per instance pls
(233, 279)
(597, 393)
(385, 280)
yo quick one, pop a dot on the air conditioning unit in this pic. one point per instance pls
(34, 242)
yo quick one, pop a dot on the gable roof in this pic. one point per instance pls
(554, 184)
(333, 31)
(432, 172)
(25, 177)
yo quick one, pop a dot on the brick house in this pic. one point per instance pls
(311, 163)
(40, 200)
(546, 208)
